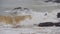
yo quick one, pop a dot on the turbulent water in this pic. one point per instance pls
(39, 9)
(36, 17)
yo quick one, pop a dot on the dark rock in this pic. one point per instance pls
(58, 15)
(48, 1)
(46, 24)
(17, 8)
(26, 9)
(57, 1)
(57, 24)
(45, 14)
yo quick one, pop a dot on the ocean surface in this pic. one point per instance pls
(37, 5)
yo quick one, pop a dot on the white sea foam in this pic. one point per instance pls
(37, 17)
